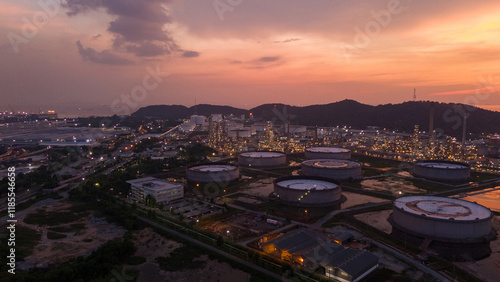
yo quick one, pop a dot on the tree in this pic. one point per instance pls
(220, 241)
(150, 201)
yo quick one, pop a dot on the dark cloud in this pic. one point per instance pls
(269, 59)
(104, 57)
(236, 62)
(288, 40)
(190, 54)
(96, 36)
(147, 49)
(138, 27)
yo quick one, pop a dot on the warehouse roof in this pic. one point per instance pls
(354, 262)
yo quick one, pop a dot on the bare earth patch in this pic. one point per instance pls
(377, 219)
(78, 242)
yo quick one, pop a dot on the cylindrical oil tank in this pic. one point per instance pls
(213, 173)
(307, 191)
(327, 153)
(334, 169)
(262, 159)
(441, 218)
(441, 170)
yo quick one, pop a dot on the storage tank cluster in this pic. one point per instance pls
(306, 191)
(213, 173)
(262, 159)
(441, 170)
(327, 153)
(449, 223)
(340, 170)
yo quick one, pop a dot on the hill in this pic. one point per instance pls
(403, 117)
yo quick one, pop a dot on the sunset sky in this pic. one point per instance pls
(243, 53)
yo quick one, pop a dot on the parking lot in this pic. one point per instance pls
(193, 209)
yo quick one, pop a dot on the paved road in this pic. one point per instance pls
(410, 260)
(213, 249)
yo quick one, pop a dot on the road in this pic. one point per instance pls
(409, 260)
(213, 249)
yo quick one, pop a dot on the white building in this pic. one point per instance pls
(161, 190)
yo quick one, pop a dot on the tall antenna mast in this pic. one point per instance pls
(414, 94)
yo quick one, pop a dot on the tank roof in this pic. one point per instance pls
(327, 150)
(442, 207)
(262, 154)
(442, 165)
(331, 164)
(213, 168)
(306, 184)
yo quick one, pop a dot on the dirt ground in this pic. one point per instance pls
(377, 219)
(354, 199)
(97, 231)
(152, 245)
(487, 269)
(260, 188)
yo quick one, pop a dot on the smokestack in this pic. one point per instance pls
(210, 129)
(316, 135)
(431, 124)
(463, 135)
(288, 128)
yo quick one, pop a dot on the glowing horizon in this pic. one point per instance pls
(252, 53)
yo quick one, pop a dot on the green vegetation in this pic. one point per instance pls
(480, 177)
(26, 240)
(41, 217)
(55, 236)
(96, 267)
(379, 162)
(196, 153)
(136, 260)
(180, 259)
(68, 229)
(41, 177)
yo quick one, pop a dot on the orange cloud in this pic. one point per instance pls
(490, 89)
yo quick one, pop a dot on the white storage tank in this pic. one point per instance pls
(262, 159)
(304, 191)
(441, 218)
(441, 170)
(340, 170)
(327, 153)
(213, 173)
